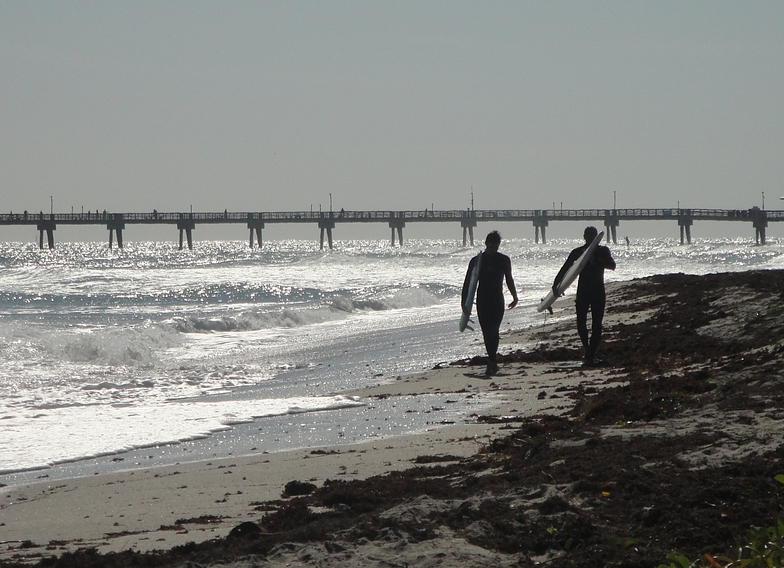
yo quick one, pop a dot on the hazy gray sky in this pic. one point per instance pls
(273, 106)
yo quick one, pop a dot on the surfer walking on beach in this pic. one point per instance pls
(590, 292)
(494, 268)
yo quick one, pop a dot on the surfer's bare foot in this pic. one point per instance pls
(492, 369)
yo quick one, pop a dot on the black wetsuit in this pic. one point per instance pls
(490, 296)
(590, 294)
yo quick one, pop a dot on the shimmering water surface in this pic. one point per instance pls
(151, 355)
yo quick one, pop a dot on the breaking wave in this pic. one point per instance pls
(333, 308)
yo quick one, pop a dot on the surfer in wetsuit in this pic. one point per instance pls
(590, 292)
(495, 267)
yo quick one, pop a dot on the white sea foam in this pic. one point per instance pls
(48, 436)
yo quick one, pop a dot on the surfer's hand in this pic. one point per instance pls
(513, 304)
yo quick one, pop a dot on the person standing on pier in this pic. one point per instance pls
(495, 267)
(590, 292)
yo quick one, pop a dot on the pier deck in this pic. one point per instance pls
(326, 221)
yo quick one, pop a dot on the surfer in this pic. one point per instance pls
(590, 292)
(493, 269)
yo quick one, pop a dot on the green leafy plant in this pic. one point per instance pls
(622, 542)
(763, 548)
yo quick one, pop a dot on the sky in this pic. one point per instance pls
(404, 105)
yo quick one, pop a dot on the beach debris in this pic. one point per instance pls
(245, 530)
(294, 488)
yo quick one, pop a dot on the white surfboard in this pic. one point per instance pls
(469, 303)
(571, 275)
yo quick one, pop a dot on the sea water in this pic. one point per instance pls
(150, 355)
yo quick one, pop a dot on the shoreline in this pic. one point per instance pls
(676, 447)
(160, 507)
(233, 441)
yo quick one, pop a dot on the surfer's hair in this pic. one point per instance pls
(493, 238)
(590, 233)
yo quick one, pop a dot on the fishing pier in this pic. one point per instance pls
(327, 221)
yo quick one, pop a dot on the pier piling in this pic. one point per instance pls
(760, 222)
(397, 222)
(326, 225)
(119, 237)
(186, 225)
(49, 238)
(116, 225)
(685, 221)
(468, 222)
(611, 223)
(255, 225)
(329, 237)
(540, 224)
(258, 236)
(48, 226)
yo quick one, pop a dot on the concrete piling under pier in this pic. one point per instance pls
(116, 225)
(468, 222)
(611, 223)
(540, 224)
(397, 224)
(685, 221)
(760, 223)
(48, 226)
(187, 225)
(326, 224)
(255, 225)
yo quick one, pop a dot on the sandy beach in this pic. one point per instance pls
(692, 391)
(158, 508)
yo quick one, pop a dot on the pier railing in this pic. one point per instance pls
(326, 221)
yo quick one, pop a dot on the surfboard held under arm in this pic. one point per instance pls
(469, 302)
(570, 276)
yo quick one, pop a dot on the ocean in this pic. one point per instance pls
(150, 355)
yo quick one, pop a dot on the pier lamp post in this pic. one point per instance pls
(763, 200)
(330, 203)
